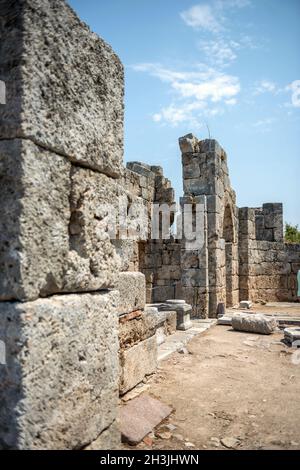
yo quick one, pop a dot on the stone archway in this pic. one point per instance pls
(228, 235)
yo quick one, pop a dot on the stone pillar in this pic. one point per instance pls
(61, 148)
(205, 175)
(246, 238)
(194, 260)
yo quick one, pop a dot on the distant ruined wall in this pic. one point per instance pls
(61, 149)
(268, 266)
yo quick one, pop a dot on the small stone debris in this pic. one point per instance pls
(148, 441)
(229, 442)
(189, 444)
(171, 427)
(183, 350)
(164, 435)
(215, 441)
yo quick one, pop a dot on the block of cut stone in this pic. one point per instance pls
(59, 389)
(254, 323)
(35, 215)
(224, 320)
(291, 335)
(188, 143)
(137, 362)
(64, 85)
(140, 325)
(92, 261)
(245, 304)
(183, 312)
(132, 288)
(221, 309)
(140, 416)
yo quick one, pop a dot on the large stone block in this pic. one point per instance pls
(60, 387)
(35, 213)
(132, 288)
(137, 362)
(92, 262)
(138, 326)
(254, 323)
(64, 85)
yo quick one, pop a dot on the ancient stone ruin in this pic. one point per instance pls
(81, 312)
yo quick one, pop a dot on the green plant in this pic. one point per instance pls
(292, 233)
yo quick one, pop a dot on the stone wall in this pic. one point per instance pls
(61, 145)
(267, 266)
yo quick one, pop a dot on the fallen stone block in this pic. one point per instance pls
(137, 362)
(245, 304)
(291, 335)
(141, 416)
(59, 389)
(132, 288)
(254, 323)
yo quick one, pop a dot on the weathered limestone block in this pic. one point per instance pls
(137, 362)
(192, 170)
(35, 214)
(183, 313)
(194, 277)
(109, 439)
(291, 335)
(60, 387)
(138, 326)
(64, 85)
(188, 143)
(132, 288)
(254, 323)
(92, 261)
(162, 293)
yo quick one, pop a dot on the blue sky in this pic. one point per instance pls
(233, 65)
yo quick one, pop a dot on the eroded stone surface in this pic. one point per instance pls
(64, 85)
(254, 323)
(60, 387)
(132, 288)
(137, 362)
(35, 213)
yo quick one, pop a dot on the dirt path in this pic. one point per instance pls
(231, 385)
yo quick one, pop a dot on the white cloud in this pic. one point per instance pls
(294, 87)
(264, 125)
(221, 53)
(196, 92)
(215, 89)
(210, 17)
(202, 17)
(265, 86)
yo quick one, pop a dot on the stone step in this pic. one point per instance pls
(180, 339)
